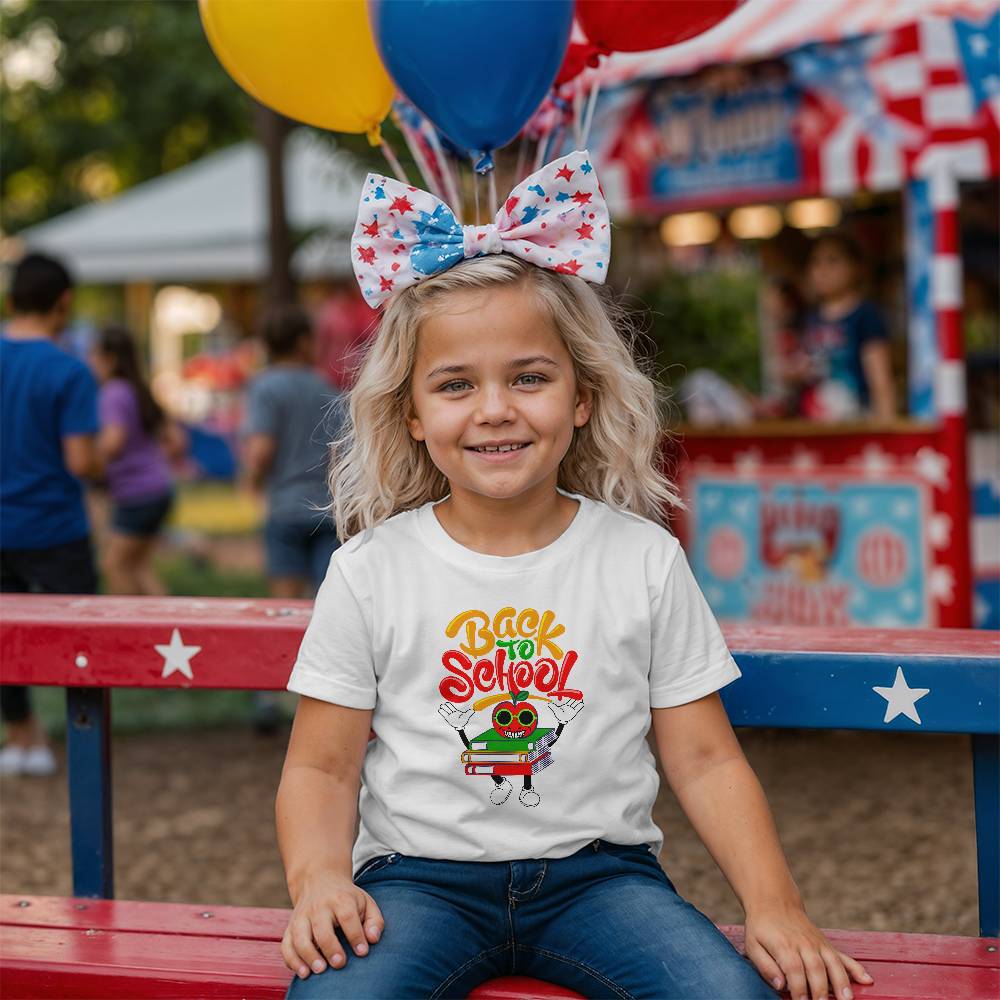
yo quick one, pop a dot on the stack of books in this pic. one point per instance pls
(492, 753)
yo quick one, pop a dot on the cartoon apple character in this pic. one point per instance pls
(514, 718)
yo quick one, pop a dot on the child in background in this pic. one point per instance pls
(137, 443)
(289, 422)
(848, 369)
(291, 417)
(509, 614)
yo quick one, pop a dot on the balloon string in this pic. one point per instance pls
(447, 173)
(390, 156)
(589, 118)
(543, 145)
(492, 209)
(522, 159)
(577, 116)
(418, 157)
(475, 188)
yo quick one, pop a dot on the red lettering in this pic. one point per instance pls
(567, 665)
(546, 674)
(484, 675)
(458, 687)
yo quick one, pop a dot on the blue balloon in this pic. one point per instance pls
(478, 69)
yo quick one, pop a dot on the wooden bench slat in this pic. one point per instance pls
(252, 923)
(268, 924)
(72, 962)
(218, 968)
(114, 943)
(70, 640)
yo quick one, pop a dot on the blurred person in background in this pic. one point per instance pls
(344, 326)
(846, 369)
(137, 443)
(48, 427)
(291, 416)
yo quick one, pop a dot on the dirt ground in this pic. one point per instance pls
(878, 828)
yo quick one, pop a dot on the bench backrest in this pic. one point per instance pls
(926, 680)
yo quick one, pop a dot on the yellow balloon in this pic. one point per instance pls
(311, 60)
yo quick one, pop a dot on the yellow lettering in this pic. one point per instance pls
(546, 634)
(527, 622)
(503, 624)
(470, 619)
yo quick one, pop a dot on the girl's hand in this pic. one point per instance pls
(791, 952)
(310, 941)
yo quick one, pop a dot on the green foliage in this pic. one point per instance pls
(185, 575)
(705, 320)
(117, 92)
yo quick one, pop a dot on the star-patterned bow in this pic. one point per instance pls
(555, 218)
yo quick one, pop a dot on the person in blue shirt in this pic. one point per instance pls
(48, 423)
(847, 364)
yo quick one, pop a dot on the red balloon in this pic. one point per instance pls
(578, 55)
(638, 25)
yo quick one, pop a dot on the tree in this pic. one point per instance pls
(100, 96)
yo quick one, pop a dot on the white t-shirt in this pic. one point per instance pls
(577, 641)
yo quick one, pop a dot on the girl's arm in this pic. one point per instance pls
(111, 441)
(877, 364)
(723, 799)
(316, 811)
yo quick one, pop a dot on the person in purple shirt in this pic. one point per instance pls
(137, 441)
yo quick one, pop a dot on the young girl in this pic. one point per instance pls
(848, 365)
(137, 441)
(510, 616)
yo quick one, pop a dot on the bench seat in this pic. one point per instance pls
(89, 948)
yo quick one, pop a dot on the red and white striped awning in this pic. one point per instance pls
(760, 29)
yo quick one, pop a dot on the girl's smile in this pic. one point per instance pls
(494, 395)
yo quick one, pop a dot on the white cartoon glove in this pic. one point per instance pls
(456, 717)
(565, 709)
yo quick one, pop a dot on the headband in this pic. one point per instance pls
(555, 218)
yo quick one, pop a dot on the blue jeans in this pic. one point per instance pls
(606, 922)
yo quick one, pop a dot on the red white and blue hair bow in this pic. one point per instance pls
(555, 218)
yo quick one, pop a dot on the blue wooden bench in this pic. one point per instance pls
(91, 945)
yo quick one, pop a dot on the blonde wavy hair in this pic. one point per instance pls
(377, 469)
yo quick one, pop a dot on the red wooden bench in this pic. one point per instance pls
(102, 948)
(98, 947)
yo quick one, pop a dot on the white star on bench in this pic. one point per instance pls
(177, 656)
(901, 699)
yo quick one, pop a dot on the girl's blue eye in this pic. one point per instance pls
(448, 385)
(540, 378)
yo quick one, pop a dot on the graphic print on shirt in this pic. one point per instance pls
(513, 654)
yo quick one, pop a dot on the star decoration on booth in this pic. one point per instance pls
(875, 461)
(939, 530)
(803, 460)
(747, 462)
(941, 583)
(177, 657)
(932, 466)
(901, 699)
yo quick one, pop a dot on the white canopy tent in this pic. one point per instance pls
(208, 221)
